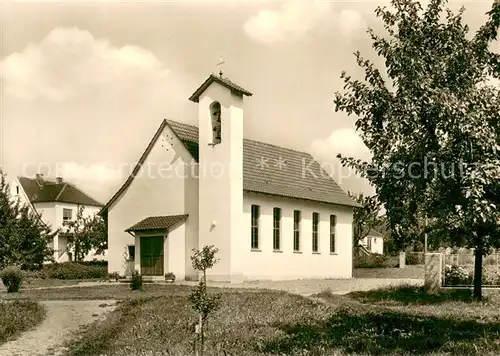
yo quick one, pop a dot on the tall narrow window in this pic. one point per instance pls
(17, 190)
(255, 226)
(296, 230)
(333, 224)
(315, 229)
(215, 114)
(277, 229)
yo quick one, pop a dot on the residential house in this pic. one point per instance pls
(272, 212)
(373, 242)
(56, 202)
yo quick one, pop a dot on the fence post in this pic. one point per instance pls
(433, 272)
(402, 259)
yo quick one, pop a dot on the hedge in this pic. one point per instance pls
(71, 270)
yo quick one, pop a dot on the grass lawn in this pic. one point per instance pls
(18, 316)
(406, 320)
(247, 324)
(390, 321)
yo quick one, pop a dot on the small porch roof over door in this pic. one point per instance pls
(157, 223)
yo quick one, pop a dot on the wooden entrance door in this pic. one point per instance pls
(152, 255)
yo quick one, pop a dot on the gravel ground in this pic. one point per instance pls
(63, 319)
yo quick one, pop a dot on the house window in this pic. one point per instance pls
(255, 226)
(131, 252)
(277, 229)
(215, 115)
(17, 190)
(67, 214)
(333, 225)
(296, 230)
(315, 228)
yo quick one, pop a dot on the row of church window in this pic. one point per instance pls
(297, 219)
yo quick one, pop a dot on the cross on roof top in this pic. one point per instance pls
(221, 62)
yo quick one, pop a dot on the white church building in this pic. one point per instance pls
(272, 212)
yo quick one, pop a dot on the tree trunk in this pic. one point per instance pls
(478, 271)
(202, 329)
(202, 341)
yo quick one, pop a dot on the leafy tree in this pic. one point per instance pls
(203, 303)
(85, 233)
(365, 217)
(432, 125)
(24, 238)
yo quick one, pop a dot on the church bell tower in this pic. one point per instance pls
(220, 121)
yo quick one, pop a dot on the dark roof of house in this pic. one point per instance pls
(267, 169)
(51, 191)
(374, 233)
(222, 81)
(157, 223)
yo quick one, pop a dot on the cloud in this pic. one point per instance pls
(93, 101)
(344, 141)
(96, 172)
(71, 61)
(347, 142)
(293, 20)
(349, 21)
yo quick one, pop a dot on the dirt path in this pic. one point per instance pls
(63, 319)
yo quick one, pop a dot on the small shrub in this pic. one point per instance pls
(169, 276)
(12, 278)
(457, 276)
(114, 275)
(325, 292)
(136, 282)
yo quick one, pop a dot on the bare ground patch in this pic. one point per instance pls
(63, 319)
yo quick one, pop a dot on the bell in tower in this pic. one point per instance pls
(215, 114)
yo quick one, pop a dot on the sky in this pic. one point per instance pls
(85, 85)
